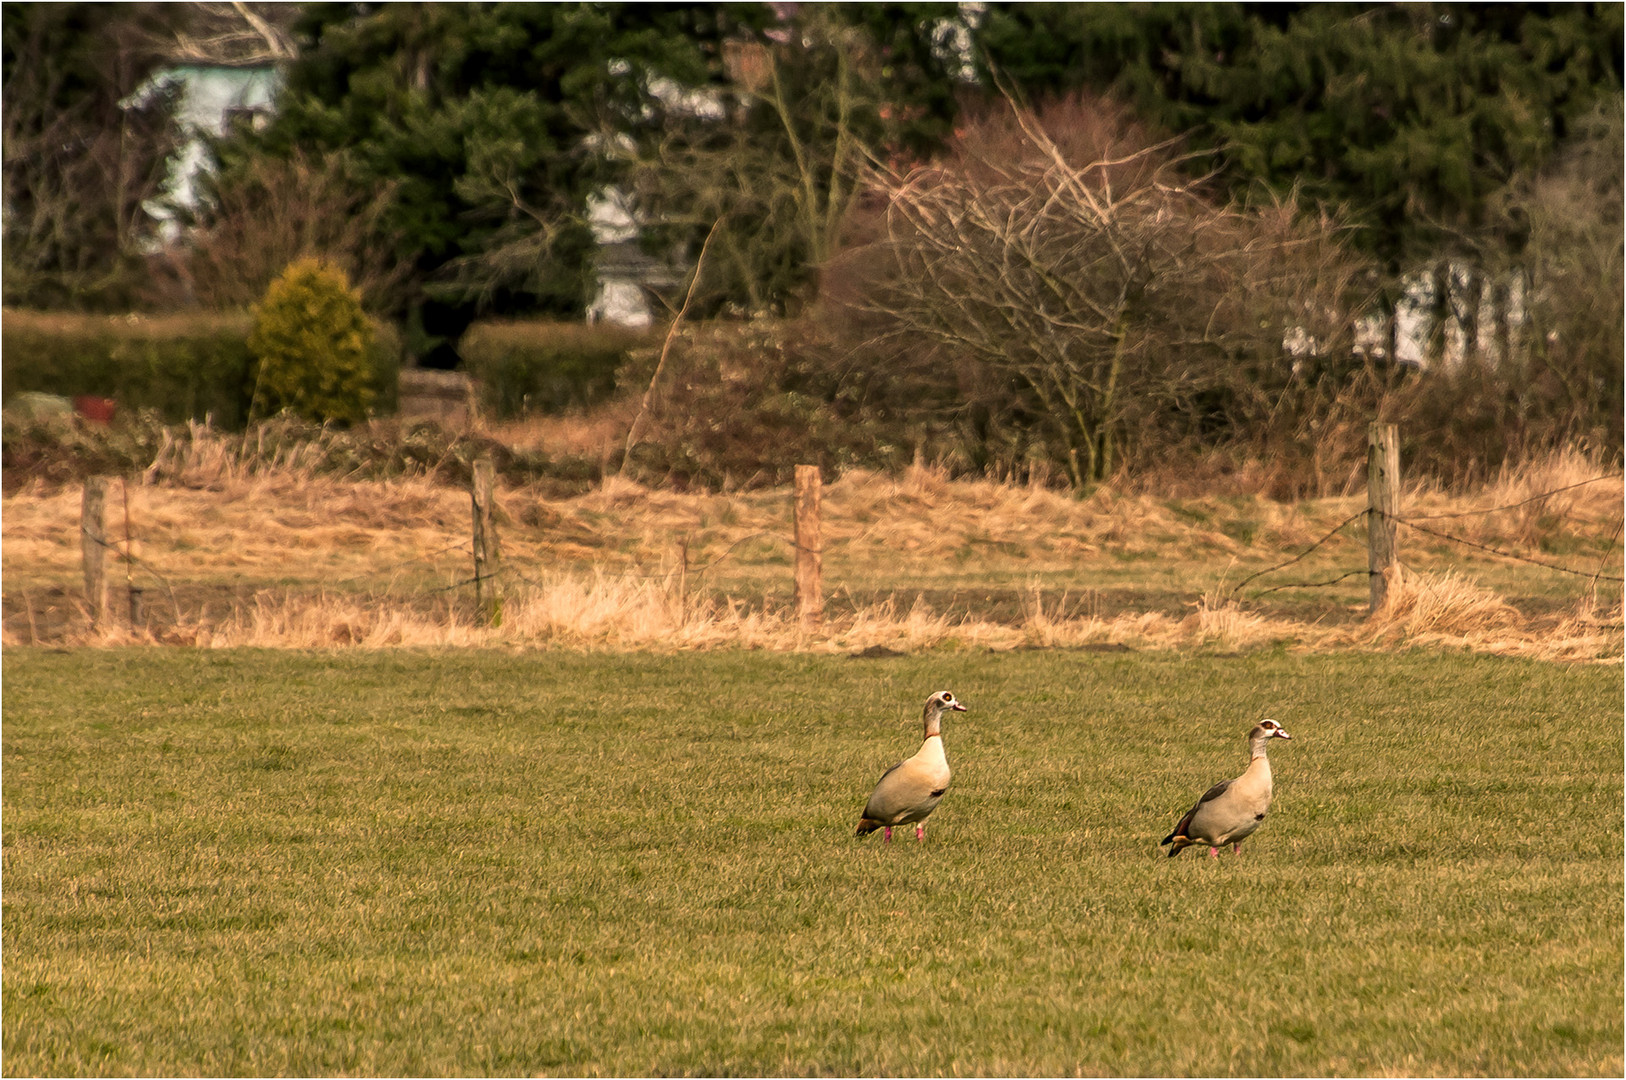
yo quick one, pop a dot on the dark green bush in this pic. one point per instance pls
(530, 367)
(741, 404)
(184, 367)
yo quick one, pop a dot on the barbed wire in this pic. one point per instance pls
(1525, 502)
(392, 567)
(1504, 554)
(1612, 538)
(1310, 584)
(475, 580)
(701, 570)
(130, 558)
(1284, 565)
(696, 571)
(1412, 522)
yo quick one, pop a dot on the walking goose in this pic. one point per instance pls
(910, 790)
(1231, 810)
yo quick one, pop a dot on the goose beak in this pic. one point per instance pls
(957, 707)
(1280, 734)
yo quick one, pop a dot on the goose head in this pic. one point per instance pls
(1262, 733)
(936, 705)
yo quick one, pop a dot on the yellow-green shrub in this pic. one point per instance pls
(313, 345)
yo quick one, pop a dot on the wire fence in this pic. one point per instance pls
(124, 551)
(1413, 522)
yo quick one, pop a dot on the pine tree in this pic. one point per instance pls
(1413, 116)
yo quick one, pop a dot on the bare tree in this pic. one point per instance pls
(1574, 262)
(1082, 267)
(79, 159)
(269, 212)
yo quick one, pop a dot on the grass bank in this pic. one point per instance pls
(391, 862)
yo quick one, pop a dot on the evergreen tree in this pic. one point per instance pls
(814, 98)
(496, 121)
(1412, 115)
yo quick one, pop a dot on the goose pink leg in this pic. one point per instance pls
(889, 834)
(920, 832)
(1213, 853)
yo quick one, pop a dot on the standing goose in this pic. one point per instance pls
(1231, 810)
(909, 790)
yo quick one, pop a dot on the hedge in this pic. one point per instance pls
(185, 367)
(533, 366)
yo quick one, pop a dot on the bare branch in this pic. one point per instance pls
(666, 347)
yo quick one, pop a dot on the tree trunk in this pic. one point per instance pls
(1439, 314)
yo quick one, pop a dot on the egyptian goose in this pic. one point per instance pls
(910, 790)
(1231, 810)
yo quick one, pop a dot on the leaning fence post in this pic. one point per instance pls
(93, 544)
(809, 548)
(1382, 506)
(487, 555)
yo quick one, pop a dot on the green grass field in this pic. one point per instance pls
(406, 863)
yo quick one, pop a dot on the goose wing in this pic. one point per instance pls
(1185, 823)
(902, 788)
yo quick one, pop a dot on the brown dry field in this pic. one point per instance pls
(230, 556)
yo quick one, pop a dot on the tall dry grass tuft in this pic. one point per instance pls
(1564, 492)
(288, 620)
(599, 433)
(1438, 606)
(207, 457)
(1580, 496)
(1219, 621)
(614, 612)
(1040, 627)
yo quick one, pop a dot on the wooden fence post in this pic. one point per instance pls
(93, 545)
(809, 547)
(137, 613)
(1382, 505)
(487, 555)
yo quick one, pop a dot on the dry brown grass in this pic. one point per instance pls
(599, 433)
(276, 555)
(611, 613)
(1581, 500)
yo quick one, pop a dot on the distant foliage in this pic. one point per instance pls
(313, 342)
(1577, 270)
(1100, 303)
(84, 149)
(264, 213)
(182, 366)
(1410, 116)
(537, 366)
(781, 173)
(740, 404)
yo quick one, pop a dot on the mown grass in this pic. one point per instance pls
(412, 863)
